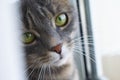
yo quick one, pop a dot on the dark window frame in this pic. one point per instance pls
(90, 71)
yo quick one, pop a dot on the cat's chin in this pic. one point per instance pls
(60, 62)
(57, 59)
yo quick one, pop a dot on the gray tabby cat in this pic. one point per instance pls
(48, 31)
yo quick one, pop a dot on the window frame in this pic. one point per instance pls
(89, 61)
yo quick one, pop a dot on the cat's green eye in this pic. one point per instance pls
(61, 20)
(28, 37)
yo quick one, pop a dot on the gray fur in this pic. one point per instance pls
(38, 17)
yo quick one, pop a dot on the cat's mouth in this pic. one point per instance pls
(60, 58)
(58, 62)
(51, 58)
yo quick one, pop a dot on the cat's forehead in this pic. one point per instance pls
(54, 6)
(38, 12)
(46, 2)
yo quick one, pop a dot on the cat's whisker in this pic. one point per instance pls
(78, 39)
(55, 71)
(78, 55)
(44, 73)
(28, 68)
(44, 68)
(31, 72)
(78, 47)
(47, 69)
(39, 77)
(77, 43)
(50, 73)
(33, 66)
(42, 78)
(87, 56)
(82, 38)
(82, 53)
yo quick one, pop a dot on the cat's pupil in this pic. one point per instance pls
(61, 20)
(28, 37)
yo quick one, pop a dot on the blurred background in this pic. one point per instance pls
(105, 16)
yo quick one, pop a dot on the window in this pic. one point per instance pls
(100, 19)
(91, 68)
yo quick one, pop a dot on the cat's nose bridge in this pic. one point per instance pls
(55, 40)
(51, 38)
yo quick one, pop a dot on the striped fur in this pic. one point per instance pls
(38, 17)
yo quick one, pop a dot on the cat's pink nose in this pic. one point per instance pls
(57, 48)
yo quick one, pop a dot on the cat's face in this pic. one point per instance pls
(48, 31)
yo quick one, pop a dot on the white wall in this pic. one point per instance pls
(106, 27)
(106, 24)
(11, 56)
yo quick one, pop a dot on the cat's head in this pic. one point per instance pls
(48, 31)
